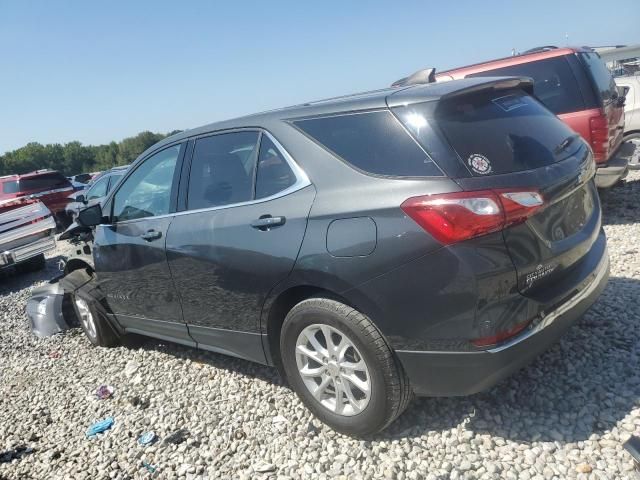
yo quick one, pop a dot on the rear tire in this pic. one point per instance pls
(357, 386)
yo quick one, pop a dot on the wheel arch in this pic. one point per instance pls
(278, 308)
(629, 133)
(74, 264)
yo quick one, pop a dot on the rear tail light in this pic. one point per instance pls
(454, 217)
(599, 127)
(500, 336)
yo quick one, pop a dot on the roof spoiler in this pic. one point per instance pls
(421, 77)
(524, 83)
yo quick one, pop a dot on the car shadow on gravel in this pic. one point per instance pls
(621, 203)
(215, 360)
(582, 385)
(12, 281)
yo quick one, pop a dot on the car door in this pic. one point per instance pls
(129, 252)
(246, 212)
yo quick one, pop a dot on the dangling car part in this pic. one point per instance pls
(50, 309)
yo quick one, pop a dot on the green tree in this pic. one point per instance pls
(73, 157)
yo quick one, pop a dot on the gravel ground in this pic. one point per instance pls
(564, 416)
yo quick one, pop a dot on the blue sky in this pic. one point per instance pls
(101, 71)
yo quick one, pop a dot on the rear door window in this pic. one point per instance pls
(604, 82)
(222, 170)
(496, 133)
(553, 82)
(373, 142)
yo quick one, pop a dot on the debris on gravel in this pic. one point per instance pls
(564, 416)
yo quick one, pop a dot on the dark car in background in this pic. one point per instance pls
(49, 186)
(429, 239)
(575, 84)
(94, 192)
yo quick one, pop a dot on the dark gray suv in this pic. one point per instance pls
(428, 239)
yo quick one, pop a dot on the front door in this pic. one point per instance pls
(240, 235)
(130, 255)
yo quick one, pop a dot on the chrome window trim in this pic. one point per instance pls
(302, 181)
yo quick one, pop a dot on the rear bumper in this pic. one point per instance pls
(607, 175)
(25, 252)
(464, 373)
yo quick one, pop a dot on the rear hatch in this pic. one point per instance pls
(505, 141)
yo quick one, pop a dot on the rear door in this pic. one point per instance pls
(129, 252)
(246, 209)
(508, 140)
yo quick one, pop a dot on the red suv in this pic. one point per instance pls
(48, 186)
(575, 84)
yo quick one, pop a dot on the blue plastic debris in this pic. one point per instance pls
(100, 427)
(149, 467)
(147, 438)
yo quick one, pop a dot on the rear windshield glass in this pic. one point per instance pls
(41, 182)
(499, 132)
(373, 142)
(553, 83)
(605, 84)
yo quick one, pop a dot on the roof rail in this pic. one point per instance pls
(544, 48)
(421, 77)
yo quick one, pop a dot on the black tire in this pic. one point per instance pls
(389, 386)
(34, 264)
(97, 328)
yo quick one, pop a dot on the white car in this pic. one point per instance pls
(632, 115)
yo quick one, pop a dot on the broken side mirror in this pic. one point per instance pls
(90, 216)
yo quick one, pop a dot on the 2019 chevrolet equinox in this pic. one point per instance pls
(428, 239)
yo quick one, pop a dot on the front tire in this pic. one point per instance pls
(342, 368)
(93, 321)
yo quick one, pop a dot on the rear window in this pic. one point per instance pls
(374, 142)
(604, 82)
(553, 83)
(47, 181)
(498, 132)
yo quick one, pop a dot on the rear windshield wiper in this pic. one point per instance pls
(565, 143)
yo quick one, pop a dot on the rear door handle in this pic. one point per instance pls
(151, 235)
(267, 222)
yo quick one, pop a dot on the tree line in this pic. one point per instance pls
(74, 157)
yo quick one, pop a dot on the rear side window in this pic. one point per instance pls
(374, 142)
(10, 186)
(604, 82)
(274, 173)
(47, 181)
(500, 132)
(222, 170)
(554, 82)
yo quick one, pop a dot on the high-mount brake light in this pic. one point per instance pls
(459, 216)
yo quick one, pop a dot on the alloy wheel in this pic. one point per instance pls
(333, 369)
(86, 317)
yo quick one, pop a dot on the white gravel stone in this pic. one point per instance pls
(573, 406)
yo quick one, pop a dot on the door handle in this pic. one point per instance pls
(151, 235)
(267, 222)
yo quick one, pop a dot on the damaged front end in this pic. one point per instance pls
(49, 308)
